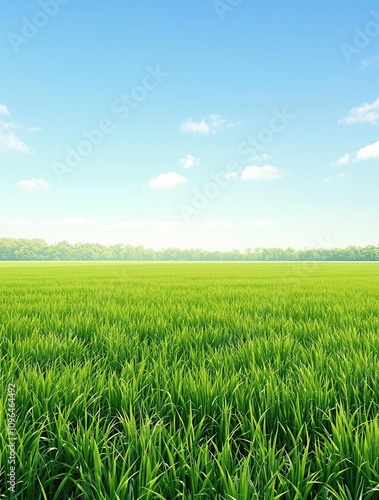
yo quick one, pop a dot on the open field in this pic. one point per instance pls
(184, 381)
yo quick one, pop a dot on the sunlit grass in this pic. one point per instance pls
(189, 381)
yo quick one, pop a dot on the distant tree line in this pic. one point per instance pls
(37, 249)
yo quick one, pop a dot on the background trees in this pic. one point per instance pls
(37, 249)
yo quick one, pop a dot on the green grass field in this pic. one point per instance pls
(191, 381)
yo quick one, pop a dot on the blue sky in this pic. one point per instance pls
(217, 124)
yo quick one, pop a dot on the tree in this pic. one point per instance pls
(37, 249)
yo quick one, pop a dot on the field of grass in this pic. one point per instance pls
(191, 381)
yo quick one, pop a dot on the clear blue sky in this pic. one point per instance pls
(277, 100)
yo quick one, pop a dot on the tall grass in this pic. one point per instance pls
(190, 381)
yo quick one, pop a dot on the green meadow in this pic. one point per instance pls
(190, 380)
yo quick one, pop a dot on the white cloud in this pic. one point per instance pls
(71, 221)
(259, 223)
(189, 126)
(162, 226)
(18, 222)
(369, 152)
(265, 173)
(9, 141)
(169, 226)
(210, 224)
(343, 175)
(261, 157)
(17, 126)
(4, 110)
(124, 226)
(33, 185)
(367, 112)
(189, 161)
(344, 160)
(231, 176)
(211, 124)
(166, 226)
(339, 177)
(167, 181)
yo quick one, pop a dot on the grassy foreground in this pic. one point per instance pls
(190, 381)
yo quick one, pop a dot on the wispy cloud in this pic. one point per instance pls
(339, 177)
(166, 226)
(169, 226)
(344, 160)
(189, 161)
(18, 222)
(369, 62)
(369, 152)
(9, 140)
(33, 185)
(71, 221)
(124, 226)
(211, 124)
(210, 224)
(17, 126)
(261, 157)
(367, 112)
(265, 173)
(4, 110)
(167, 181)
(259, 223)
